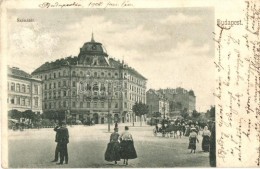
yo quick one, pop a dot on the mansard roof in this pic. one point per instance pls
(18, 73)
(91, 54)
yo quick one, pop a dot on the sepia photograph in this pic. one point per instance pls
(111, 88)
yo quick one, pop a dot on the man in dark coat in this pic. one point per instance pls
(57, 151)
(63, 140)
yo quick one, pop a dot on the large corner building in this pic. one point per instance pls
(91, 86)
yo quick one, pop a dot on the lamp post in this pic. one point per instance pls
(109, 101)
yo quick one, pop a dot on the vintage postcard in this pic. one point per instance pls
(130, 83)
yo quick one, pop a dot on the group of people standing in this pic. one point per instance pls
(193, 139)
(120, 147)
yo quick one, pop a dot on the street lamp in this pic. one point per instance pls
(109, 100)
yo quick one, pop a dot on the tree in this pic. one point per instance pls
(211, 113)
(184, 113)
(15, 114)
(140, 109)
(195, 114)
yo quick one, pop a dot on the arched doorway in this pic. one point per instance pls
(95, 118)
(102, 120)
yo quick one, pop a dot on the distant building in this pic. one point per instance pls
(157, 102)
(24, 91)
(180, 99)
(177, 100)
(90, 85)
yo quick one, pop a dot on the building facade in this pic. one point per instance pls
(180, 99)
(24, 91)
(157, 102)
(91, 86)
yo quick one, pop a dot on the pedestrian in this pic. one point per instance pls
(63, 140)
(127, 146)
(116, 125)
(57, 151)
(192, 140)
(113, 147)
(206, 139)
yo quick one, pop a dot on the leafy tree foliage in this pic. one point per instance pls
(184, 113)
(140, 109)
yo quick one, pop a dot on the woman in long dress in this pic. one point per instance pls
(113, 148)
(193, 138)
(206, 139)
(127, 146)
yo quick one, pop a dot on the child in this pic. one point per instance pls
(192, 140)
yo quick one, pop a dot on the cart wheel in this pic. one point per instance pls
(154, 132)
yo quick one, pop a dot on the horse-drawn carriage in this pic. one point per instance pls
(169, 129)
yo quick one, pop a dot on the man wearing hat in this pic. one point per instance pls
(63, 140)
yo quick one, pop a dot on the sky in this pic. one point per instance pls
(170, 47)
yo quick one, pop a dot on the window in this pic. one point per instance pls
(81, 104)
(73, 73)
(45, 95)
(125, 105)
(54, 85)
(64, 104)
(54, 75)
(18, 87)
(73, 84)
(95, 74)
(36, 89)
(36, 101)
(73, 104)
(12, 100)
(64, 72)
(45, 77)
(59, 74)
(54, 94)
(23, 88)
(59, 94)
(28, 88)
(64, 93)
(81, 73)
(74, 93)
(116, 105)
(102, 74)
(50, 95)
(102, 105)
(59, 84)
(45, 106)
(49, 105)
(109, 104)
(18, 100)
(12, 86)
(88, 104)
(23, 102)
(109, 74)
(50, 86)
(64, 83)
(45, 86)
(95, 104)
